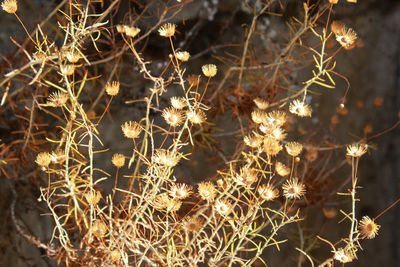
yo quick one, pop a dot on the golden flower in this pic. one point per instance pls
(207, 190)
(178, 102)
(131, 31)
(268, 192)
(281, 169)
(294, 148)
(166, 158)
(115, 255)
(258, 116)
(167, 30)
(182, 56)
(209, 70)
(57, 99)
(180, 191)
(346, 37)
(300, 108)
(277, 117)
(73, 56)
(192, 224)
(67, 69)
(118, 160)
(99, 228)
(43, 159)
(368, 228)
(196, 117)
(247, 176)
(131, 129)
(93, 197)
(356, 150)
(9, 6)
(223, 207)
(112, 89)
(271, 146)
(261, 103)
(173, 116)
(254, 140)
(293, 188)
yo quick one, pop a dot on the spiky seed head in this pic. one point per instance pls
(255, 140)
(209, 70)
(174, 205)
(57, 99)
(246, 177)
(368, 228)
(180, 191)
(281, 169)
(346, 37)
(277, 117)
(112, 88)
(293, 188)
(294, 148)
(207, 190)
(223, 207)
(67, 69)
(343, 255)
(167, 30)
(356, 150)
(9, 6)
(131, 129)
(173, 116)
(178, 102)
(72, 56)
(258, 116)
(115, 255)
(192, 224)
(261, 103)
(183, 56)
(131, 31)
(271, 146)
(99, 228)
(196, 117)
(268, 192)
(118, 160)
(43, 159)
(93, 197)
(166, 158)
(300, 108)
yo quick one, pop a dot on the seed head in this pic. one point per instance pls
(258, 116)
(342, 255)
(182, 56)
(180, 191)
(118, 160)
(167, 30)
(192, 224)
(43, 159)
(120, 28)
(9, 6)
(356, 150)
(178, 102)
(130, 31)
(67, 69)
(173, 116)
(281, 169)
(277, 117)
(300, 108)
(131, 129)
(58, 156)
(99, 228)
(207, 190)
(254, 140)
(271, 146)
(166, 158)
(196, 117)
(160, 202)
(73, 56)
(112, 89)
(93, 197)
(261, 103)
(272, 131)
(293, 188)
(209, 70)
(268, 192)
(294, 149)
(115, 255)
(57, 99)
(247, 176)
(223, 207)
(346, 37)
(368, 228)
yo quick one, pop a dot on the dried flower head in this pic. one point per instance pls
(271, 146)
(120, 28)
(43, 159)
(346, 37)
(99, 228)
(246, 177)
(209, 70)
(223, 207)
(272, 131)
(167, 30)
(193, 224)
(261, 103)
(112, 88)
(300, 108)
(207, 190)
(196, 117)
(131, 129)
(258, 116)
(173, 205)
(281, 169)
(356, 150)
(166, 158)
(268, 192)
(173, 116)
(182, 55)
(9, 6)
(58, 156)
(343, 255)
(178, 102)
(180, 191)
(72, 56)
(131, 31)
(57, 99)
(277, 117)
(115, 255)
(254, 140)
(160, 202)
(118, 160)
(67, 69)
(293, 188)
(294, 148)
(368, 228)
(93, 197)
